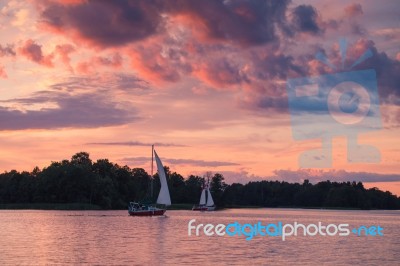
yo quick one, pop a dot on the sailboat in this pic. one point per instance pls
(138, 209)
(206, 201)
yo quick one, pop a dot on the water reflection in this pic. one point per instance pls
(113, 237)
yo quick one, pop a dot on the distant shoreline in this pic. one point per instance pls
(81, 184)
(183, 206)
(49, 206)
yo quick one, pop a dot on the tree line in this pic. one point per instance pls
(110, 186)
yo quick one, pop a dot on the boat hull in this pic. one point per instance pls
(203, 208)
(157, 212)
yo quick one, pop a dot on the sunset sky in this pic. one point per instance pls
(205, 81)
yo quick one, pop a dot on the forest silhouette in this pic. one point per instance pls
(106, 185)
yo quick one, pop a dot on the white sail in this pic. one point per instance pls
(163, 196)
(210, 201)
(203, 197)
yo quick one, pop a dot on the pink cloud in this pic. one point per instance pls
(220, 74)
(154, 66)
(115, 61)
(333, 175)
(200, 90)
(353, 10)
(71, 2)
(33, 52)
(64, 51)
(83, 68)
(90, 66)
(3, 73)
(315, 67)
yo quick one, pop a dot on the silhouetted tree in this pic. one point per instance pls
(193, 186)
(217, 187)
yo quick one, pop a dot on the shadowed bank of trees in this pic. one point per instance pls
(110, 186)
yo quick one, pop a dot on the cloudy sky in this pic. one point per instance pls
(205, 81)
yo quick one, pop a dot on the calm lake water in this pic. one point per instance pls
(113, 237)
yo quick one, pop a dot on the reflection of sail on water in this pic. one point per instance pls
(163, 196)
(210, 201)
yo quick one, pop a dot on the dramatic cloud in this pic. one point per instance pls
(155, 66)
(200, 163)
(305, 19)
(266, 73)
(117, 23)
(136, 143)
(247, 23)
(77, 111)
(190, 38)
(33, 52)
(386, 68)
(103, 23)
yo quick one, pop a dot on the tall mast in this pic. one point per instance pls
(207, 188)
(152, 160)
